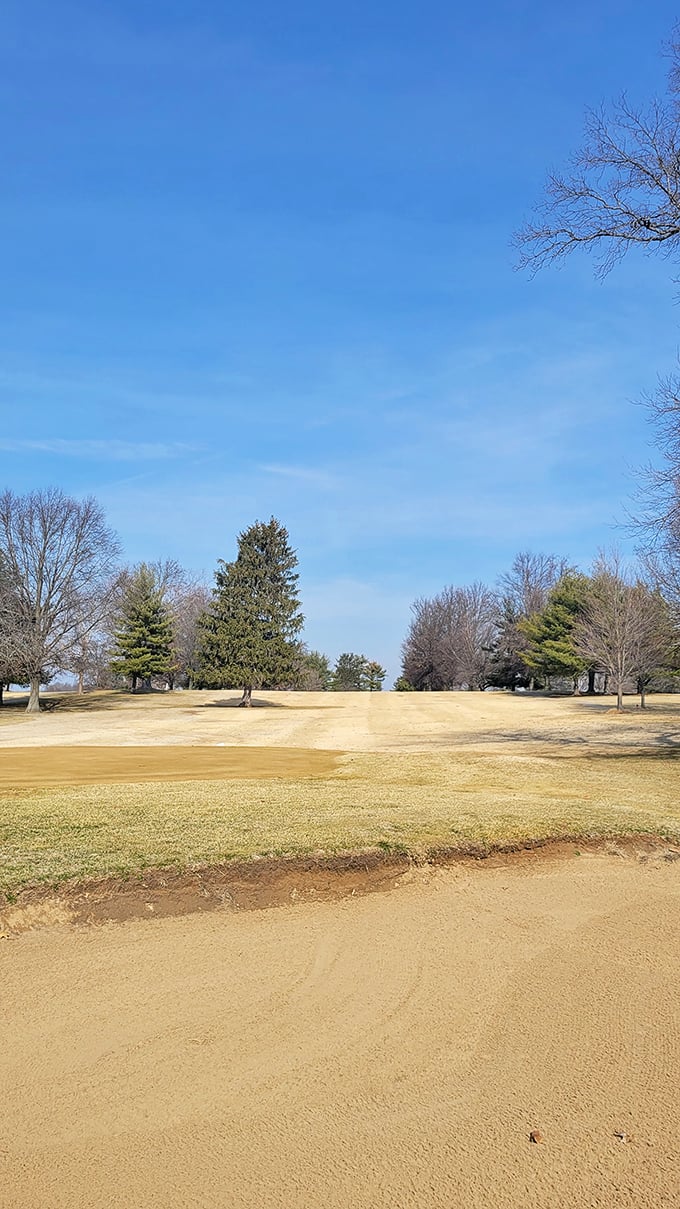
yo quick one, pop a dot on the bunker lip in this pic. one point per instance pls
(264, 882)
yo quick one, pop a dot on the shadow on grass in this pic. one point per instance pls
(101, 699)
(14, 704)
(235, 703)
(605, 703)
(68, 703)
(547, 745)
(631, 706)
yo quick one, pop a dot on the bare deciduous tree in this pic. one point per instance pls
(623, 188)
(10, 629)
(59, 555)
(90, 659)
(187, 602)
(469, 642)
(623, 191)
(530, 580)
(420, 650)
(450, 639)
(659, 518)
(625, 627)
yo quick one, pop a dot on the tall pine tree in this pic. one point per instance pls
(143, 639)
(248, 638)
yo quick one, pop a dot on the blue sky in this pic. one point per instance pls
(256, 260)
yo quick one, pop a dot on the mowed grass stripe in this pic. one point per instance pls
(45, 767)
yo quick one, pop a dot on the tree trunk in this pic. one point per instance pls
(642, 689)
(134, 682)
(591, 681)
(33, 706)
(619, 697)
(532, 684)
(80, 682)
(2, 690)
(247, 698)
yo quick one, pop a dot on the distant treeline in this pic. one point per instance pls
(546, 625)
(68, 605)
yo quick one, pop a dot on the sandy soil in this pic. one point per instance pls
(389, 1051)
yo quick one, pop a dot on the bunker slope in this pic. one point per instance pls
(384, 1052)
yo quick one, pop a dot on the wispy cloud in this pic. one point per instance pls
(105, 451)
(302, 474)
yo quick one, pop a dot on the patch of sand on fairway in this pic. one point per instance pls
(34, 767)
(385, 1052)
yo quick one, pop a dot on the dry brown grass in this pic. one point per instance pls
(418, 773)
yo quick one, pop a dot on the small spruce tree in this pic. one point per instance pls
(143, 638)
(374, 675)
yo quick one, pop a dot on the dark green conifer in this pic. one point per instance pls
(552, 649)
(143, 639)
(248, 639)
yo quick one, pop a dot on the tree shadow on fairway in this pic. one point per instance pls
(235, 703)
(61, 702)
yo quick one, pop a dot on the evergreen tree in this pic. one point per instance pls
(374, 675)
(508, 667)
(552, 649)
(349, 673)
(402, 685)
(248, 638)
(357, 674)
(143, 639)
(315, 674)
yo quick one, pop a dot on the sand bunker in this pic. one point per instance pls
(390, 1051)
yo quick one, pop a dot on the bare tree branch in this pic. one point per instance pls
(622, 187)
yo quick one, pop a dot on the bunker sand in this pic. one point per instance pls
(388, 1051)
